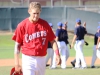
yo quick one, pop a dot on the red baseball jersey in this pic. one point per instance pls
(33, 37)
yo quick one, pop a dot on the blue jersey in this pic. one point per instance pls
(62, 35)
(80, 31)
(66, 37)
(97, 34)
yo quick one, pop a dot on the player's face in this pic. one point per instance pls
(34, 14)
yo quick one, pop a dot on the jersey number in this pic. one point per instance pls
(43, 42)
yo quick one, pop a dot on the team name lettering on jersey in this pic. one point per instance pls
(35, 35)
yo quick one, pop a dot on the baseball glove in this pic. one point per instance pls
(86, 43)
(13, 72)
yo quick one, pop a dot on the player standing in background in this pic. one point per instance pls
(31, 37)
(66, 40)
(74, 61)
(78, 38)
(60, 39)
(94, 56)
(50, 51)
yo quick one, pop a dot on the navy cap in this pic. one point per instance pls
(98, 22)
(78, 20)
(98, 27)
(60, 24)
(50, 24)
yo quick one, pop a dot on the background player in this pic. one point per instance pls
(50, 51)
(79, 42)
(66, 40)
(32, 35)
(94, 56)
(60, 39)
(74, 61)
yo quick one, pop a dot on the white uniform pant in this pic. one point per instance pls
(33, 65)
(62, 51)
(49, 55)
(79, 53)
(94, 56)
(67, 52)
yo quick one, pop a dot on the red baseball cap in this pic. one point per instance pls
(13, 72)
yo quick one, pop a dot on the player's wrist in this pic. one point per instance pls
(16, 63)
(57, 52)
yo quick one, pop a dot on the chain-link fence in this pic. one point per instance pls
(87, 5)
(10, 17)
(14, 3)
(13, 11)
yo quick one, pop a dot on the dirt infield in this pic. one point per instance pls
(10, 62)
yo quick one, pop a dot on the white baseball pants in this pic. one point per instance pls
(33, 65)
(94, 56)
(67, 52)
(62, 51)
(79, 53)
(49, 55)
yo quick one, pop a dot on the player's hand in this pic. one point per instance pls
(18, 69)
(66, 23)
(84, 24)
(58, 59)
(72, 45)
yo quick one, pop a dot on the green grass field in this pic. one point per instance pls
(7, 46)
(7, 50)
(58, 71)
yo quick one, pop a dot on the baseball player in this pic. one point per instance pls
(74, 61)
(78, 38)
(66, 40)
(31, 38)
(61, 34)
(50, 51)
(94, 56)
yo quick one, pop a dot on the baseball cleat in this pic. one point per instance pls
(73, 64)
(94, 67)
